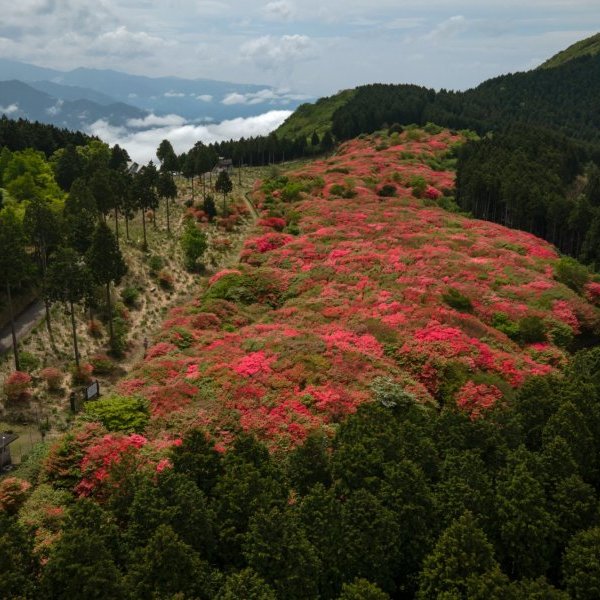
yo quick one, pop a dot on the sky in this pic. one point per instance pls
(313, 47)
(316, 47)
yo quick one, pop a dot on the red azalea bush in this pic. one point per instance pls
(13, 492)
(276, 223)
(53, 378)
(82, 375)
(16, 386)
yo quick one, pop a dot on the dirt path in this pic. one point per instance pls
(24, 324)
(136, 353)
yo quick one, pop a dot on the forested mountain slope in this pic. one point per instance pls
(563, 98)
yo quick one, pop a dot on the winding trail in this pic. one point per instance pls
(24, 324)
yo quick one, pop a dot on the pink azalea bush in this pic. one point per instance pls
(16, 386)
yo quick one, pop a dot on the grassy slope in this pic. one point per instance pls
(588, 47)
(313, 117)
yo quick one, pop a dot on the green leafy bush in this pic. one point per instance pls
(455, 299)
(532, 330)
(130, 296)
(193, 243)
(572, 274)
(387, 191)
(119, 413)
(502, 323)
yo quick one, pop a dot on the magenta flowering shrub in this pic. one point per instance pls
(16, 386)
(292, 339)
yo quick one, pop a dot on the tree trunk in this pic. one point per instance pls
(117, 225)
(49, 324)
(12, 328)
(75, 346)
(193, 198)
(111, 332)
(168, 216)
(144, 228)
(127, 227)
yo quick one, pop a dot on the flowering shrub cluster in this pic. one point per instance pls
(16, 386)
(293, 339)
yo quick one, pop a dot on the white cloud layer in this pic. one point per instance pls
(272, 53)
(142, 144)
(280, 10)
(9, 110)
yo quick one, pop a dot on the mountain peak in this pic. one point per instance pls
(588, 47)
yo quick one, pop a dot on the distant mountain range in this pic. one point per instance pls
(75, 99)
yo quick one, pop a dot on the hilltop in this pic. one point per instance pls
(588, 47)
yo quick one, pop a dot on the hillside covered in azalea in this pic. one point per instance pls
(383, 399)
(358, 275)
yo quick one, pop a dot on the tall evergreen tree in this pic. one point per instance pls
(69, 281)
(15, 265)
(106, 264)
(167, 189)
(462, 551)
(224, 186)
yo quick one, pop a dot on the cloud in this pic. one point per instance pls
(153, 120)
(280, 10)
(448, 29)
(174, 95)
(9, 110)
(234, 98)
(121, 41)
(262, 96)
(142, 145)
(205, 98)
(55, 110)
(271, 53)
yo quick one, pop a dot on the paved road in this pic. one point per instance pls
(24, 323)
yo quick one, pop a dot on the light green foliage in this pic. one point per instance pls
(248, 585)
(571, 273)
(194, 244)
(119, 413)
(309, 118)
(28, 175)
(361, 589)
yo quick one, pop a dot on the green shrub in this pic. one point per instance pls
(560, 334)
(532, 330)
(418, 185)
(259, 287)
(155, 263)
(119, 413)
(572, 273)
(502, 323)
(102, 364)
(387, 191)
(118, 344)
(193, 244)
(130, 296)
(28, 362)
(458, 301)
(291, 192)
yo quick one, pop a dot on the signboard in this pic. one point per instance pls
(92, 391)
